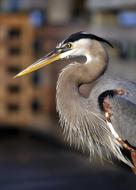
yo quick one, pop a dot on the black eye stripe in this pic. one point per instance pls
(82, 35)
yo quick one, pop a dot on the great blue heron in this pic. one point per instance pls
(105, 122)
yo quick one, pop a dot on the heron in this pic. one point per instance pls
(104, 122)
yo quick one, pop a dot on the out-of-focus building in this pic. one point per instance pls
(30, 29)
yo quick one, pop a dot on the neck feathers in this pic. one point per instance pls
(74, 75)
(82, 124)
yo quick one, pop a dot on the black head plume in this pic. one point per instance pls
(82, 35)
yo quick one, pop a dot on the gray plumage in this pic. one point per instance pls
(81, 118)
(123, 107)
(83, 121)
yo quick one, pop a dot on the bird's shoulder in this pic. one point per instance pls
(123, 106)
(106, 83)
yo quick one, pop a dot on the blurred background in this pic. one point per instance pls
(33, 153)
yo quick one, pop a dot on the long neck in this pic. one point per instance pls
(82, 125)
(77, 74)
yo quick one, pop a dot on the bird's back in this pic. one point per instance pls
(123, 107)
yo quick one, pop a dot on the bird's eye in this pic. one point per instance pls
(68, 45)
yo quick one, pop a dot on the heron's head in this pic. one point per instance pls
(77, 44)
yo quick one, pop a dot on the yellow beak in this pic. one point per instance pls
(46, 60)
